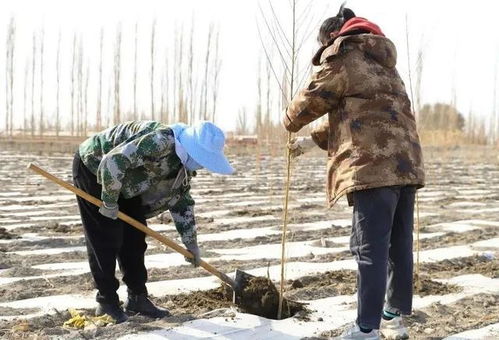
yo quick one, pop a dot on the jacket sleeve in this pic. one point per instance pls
(115, 163)
(320, 135)
(320, 96)
(183, 217)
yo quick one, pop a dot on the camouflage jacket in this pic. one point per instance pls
(138, 158)
(370, 134)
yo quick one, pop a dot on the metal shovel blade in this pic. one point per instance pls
(241, 281)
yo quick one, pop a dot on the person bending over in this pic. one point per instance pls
(141, 168)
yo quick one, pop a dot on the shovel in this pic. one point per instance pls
(237, 285)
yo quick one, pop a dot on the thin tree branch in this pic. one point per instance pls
(275, 41)
(278, 23)
(269, 61)
(305, 75)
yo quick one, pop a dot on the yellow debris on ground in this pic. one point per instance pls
(23, 326)
(79, 320)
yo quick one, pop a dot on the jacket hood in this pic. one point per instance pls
(372, 41)
(376, 47)
(358, 23)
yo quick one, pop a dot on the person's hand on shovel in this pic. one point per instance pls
(109, 210)
(194, 249)
(300, 145)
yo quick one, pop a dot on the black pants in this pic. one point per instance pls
(382, 245)
(109, 240)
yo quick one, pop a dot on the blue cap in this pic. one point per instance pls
(205, 143)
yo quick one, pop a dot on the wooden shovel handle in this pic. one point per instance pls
(134, 223)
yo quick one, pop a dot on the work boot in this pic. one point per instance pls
(393, 329)
(113, 310)
(354, 333)
(139, 303)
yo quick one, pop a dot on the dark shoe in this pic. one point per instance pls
(113, 310)
(142, 305)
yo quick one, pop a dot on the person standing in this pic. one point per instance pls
(141, 168)
(374, 158)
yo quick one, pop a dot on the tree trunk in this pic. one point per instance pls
(42, 43)
(98, 118)
(73, 86)
(58, 79)
(33, 87)
(153, 33)
(117, 69)
(217, 64)
(135, 108)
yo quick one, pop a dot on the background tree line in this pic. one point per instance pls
(183, 81)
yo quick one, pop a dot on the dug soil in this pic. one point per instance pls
(259, 297)
(333, 283)
(426, 287)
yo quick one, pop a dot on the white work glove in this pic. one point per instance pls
(194, 249)
(109, 210)
(300, 145)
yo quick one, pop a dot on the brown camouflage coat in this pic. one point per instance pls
(370, 134)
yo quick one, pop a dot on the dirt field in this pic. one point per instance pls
(43, 268)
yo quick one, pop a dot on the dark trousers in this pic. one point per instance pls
(381, 242)
(109, 240)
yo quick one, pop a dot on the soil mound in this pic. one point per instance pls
(430, 287)
(260, 297)
(202, 301)
(331, 283)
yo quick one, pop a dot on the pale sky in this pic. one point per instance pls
(459, 38)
